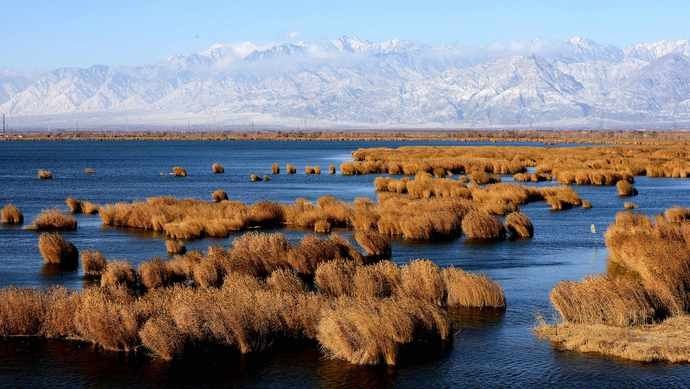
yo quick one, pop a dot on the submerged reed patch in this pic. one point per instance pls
(9, 214)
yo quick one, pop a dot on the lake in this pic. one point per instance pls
(488, 350)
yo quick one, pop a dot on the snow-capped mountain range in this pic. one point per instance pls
(354, 82)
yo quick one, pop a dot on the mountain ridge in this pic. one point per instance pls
(354, 82)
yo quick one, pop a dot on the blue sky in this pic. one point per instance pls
(38, 35)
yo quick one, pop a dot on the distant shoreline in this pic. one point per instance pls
(540, 136)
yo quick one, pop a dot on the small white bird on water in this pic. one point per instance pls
(593, 228)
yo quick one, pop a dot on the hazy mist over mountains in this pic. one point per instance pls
(351, 82)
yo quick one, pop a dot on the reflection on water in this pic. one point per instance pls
(491, 348)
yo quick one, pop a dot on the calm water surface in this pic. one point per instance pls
(489, 350)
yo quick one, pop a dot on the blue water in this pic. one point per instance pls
(488, 351)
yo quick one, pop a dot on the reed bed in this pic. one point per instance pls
(9, 214)
(217, 168)
(265, 290)
(498, 198)
(600, 165)
(53, 219)
(290, 168)
(629, 205)
(58, 251)
(44, 174)
(275, 168)
(641, 303)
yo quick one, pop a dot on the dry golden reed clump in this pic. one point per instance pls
(519, 226)
(375, 244)
(217, 168)
(179, 171)
(247, 299)
(629, 205)
(52, 219)
(73, 204)
(480, 225)
(586, 204)
(89, 208)
(93, 263)
(44, 174)
(9, 214)
(373, 332)
(677, 214)
(472, 290)
(648, 281)
(331, 169)
(602, 300)
(119, 274)
(625, 189)
(290, 168)
(174, 247)
(219, 195)
(56, 250)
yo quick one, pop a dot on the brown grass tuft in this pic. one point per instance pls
(375, 245)
(179, 171)
(219, 195)
(602, 300)
(89, 208)
(44, 174)
(73, 204)
(217, 168)
(285, 281)
(373, 332)
(519, 226)
(52, 219)
(625, 189)
(275, 168)
(677, 214)
(331, 169)
(290, 168)
(93, 263)
(254, 178)
(162, 337)
(472, 290)
(421, 279)
(154, 274)
(9, 214)
(629, 205)
(175, 247)
(119, 274)
(56, 250)
(479, 225)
